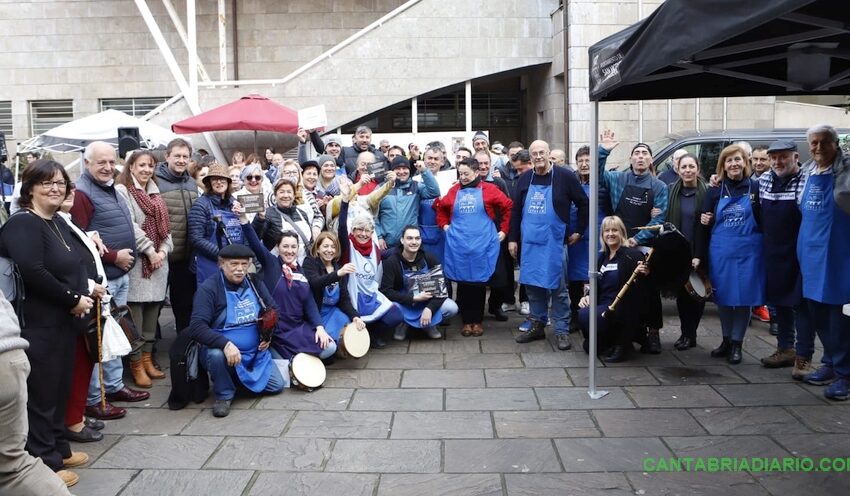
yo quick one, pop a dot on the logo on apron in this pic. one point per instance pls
(244, 312)
(537, 203)
(734, 215)
(814, 200)
(466, 203)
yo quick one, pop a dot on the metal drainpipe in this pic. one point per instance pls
(565, 15)
(235, 44)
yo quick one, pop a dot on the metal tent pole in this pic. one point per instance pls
(593, 247)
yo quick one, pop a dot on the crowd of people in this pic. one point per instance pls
(265, 259)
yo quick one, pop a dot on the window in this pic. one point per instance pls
(6, 118)
(137, 107)
(47, 114)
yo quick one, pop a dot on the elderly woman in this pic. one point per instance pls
(329, 281)
(686, 197)
(53, 264)
(254, 182)
(730, 240)
(616, 332)
(286, 215)
(292, 172)
(148, 280)
(213, 222)
(299, 326)
(360, 248)
(468, 213)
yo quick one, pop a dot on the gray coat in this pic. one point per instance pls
(141, 289)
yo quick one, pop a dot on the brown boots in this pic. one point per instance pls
(143, 371)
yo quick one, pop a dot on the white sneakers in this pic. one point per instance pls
(508, 308)
(524, 308)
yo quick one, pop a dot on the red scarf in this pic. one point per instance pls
(155, 225)
(287, 269)
(364, 249)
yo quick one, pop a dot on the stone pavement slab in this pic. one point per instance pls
(613, 376)
(558, 359)
(408, 362)
(716, 446)
(698, 484)
(340, 425)
(313, 484)
(574, 484)
(827, 418)
(650, 422)
(609, 454)
(442, 425)
(767, 395)
(239, 423)
(188, 482)
(491, 399)
(576, 398)
(440, 485)
(277, 454)
(320, 399)
(363, 379)
(707, 374)
(675, 396)
(385, 456)
(768, 421)
(501, 455)
(165, 452)
(482, 361)
(151, 421)
(398, 399)
(527, 377)
(545, 424)
(443, 379)
(101, 482)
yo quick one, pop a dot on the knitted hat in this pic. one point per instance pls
(321, 159)
(401, 161)
(479, 135)
(332, 138)
(309, 163)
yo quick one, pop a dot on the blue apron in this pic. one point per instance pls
(735, 253)
(433, 238)
(333, 319)
(542, 233)
(240, 328)
(412, 313)
(578, 255)
(472, 243)
(823, 243)
(780, 222)
(204, 267)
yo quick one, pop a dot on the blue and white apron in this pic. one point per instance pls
(240, 328)
(364, 285)
(735, 253)
(433, 238)
(333, 319)
(472, 243)
(542, 234)
(823, 244)
(205, 267)
(412, 313)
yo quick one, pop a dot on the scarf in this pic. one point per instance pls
(364, 249)
(674, 207)
(287, 269)
(155, 224)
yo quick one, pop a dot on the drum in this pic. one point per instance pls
(306, 372)
(353, 342)
(699, 286)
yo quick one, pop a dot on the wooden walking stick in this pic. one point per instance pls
(98, 317)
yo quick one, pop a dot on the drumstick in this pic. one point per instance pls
(612, 307)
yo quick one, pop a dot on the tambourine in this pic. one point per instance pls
(353, 342)
(306, 372)
(699, 286)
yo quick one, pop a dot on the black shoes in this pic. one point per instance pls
(86, 435)
(774, 329)
(618, 353)
(735, 353)
(94, 423)
(400, 333)
(564, 342)
(683, 343)
(538, 331)
(433, 333)
(377, 343)
(498, 314)
(652, 345)
(221, 408)
(722, 350)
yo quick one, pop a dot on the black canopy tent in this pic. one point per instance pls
(716, 48)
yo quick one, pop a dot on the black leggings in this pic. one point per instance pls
(470, 301)
(690, 313)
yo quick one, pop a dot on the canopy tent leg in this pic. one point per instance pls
(593, 245)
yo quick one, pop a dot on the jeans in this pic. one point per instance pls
(223, 376)
(833, 328)
(789, 318)
(538, 301)
(734, 321)
(113, 370)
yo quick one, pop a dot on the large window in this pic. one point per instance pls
(6, 118)
(137, 107)
(47, 114)
(490, 110)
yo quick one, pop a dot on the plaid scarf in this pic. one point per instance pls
(155, 224)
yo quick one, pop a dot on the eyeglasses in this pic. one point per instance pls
(253, 178)
(50, 184)
(364, 230)
(290, 172)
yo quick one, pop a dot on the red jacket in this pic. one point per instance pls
(496, 204)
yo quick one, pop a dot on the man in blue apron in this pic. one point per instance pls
(224, 321)
(539, 221)
(822, 250)
(421, 310)
(780, 223)
(639, 199)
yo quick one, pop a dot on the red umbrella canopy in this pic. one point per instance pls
(250, 113)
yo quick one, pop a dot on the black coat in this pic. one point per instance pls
(319, 278)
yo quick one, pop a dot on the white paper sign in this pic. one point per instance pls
(313, 117)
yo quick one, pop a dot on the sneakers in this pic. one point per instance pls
(433, 333)
(780, 358)
(564, 342)
(400, 333)
(524, 308)
(838, 390)
(761, 313)
(821, 377)
(508, 307)
(76, 459)
(527, 324)
(802, 368)
(68, 477)
(221, 408)
(537, 332)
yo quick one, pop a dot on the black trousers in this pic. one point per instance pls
(576, 289)
(182, 286)
(470, 301)
(690, 313)
(51, 357)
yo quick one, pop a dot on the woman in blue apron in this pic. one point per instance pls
(329, 282)
(467, 214)
(299, 325)
(734, 249)
(617, 262)
(360, 249)
(212, 221)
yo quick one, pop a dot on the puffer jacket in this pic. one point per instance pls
(178, 193)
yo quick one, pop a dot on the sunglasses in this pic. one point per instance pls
(253, 178)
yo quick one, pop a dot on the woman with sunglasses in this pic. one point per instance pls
(254, 182)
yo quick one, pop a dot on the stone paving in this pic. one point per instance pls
(485, 416)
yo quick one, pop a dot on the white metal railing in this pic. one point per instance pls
(162, 107)
(326, 55)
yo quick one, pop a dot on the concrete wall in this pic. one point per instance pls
(796, 114)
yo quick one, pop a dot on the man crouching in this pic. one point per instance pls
(224, 321)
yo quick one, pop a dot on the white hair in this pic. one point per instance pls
(87, 154)
(822, 129)
(362, 221)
